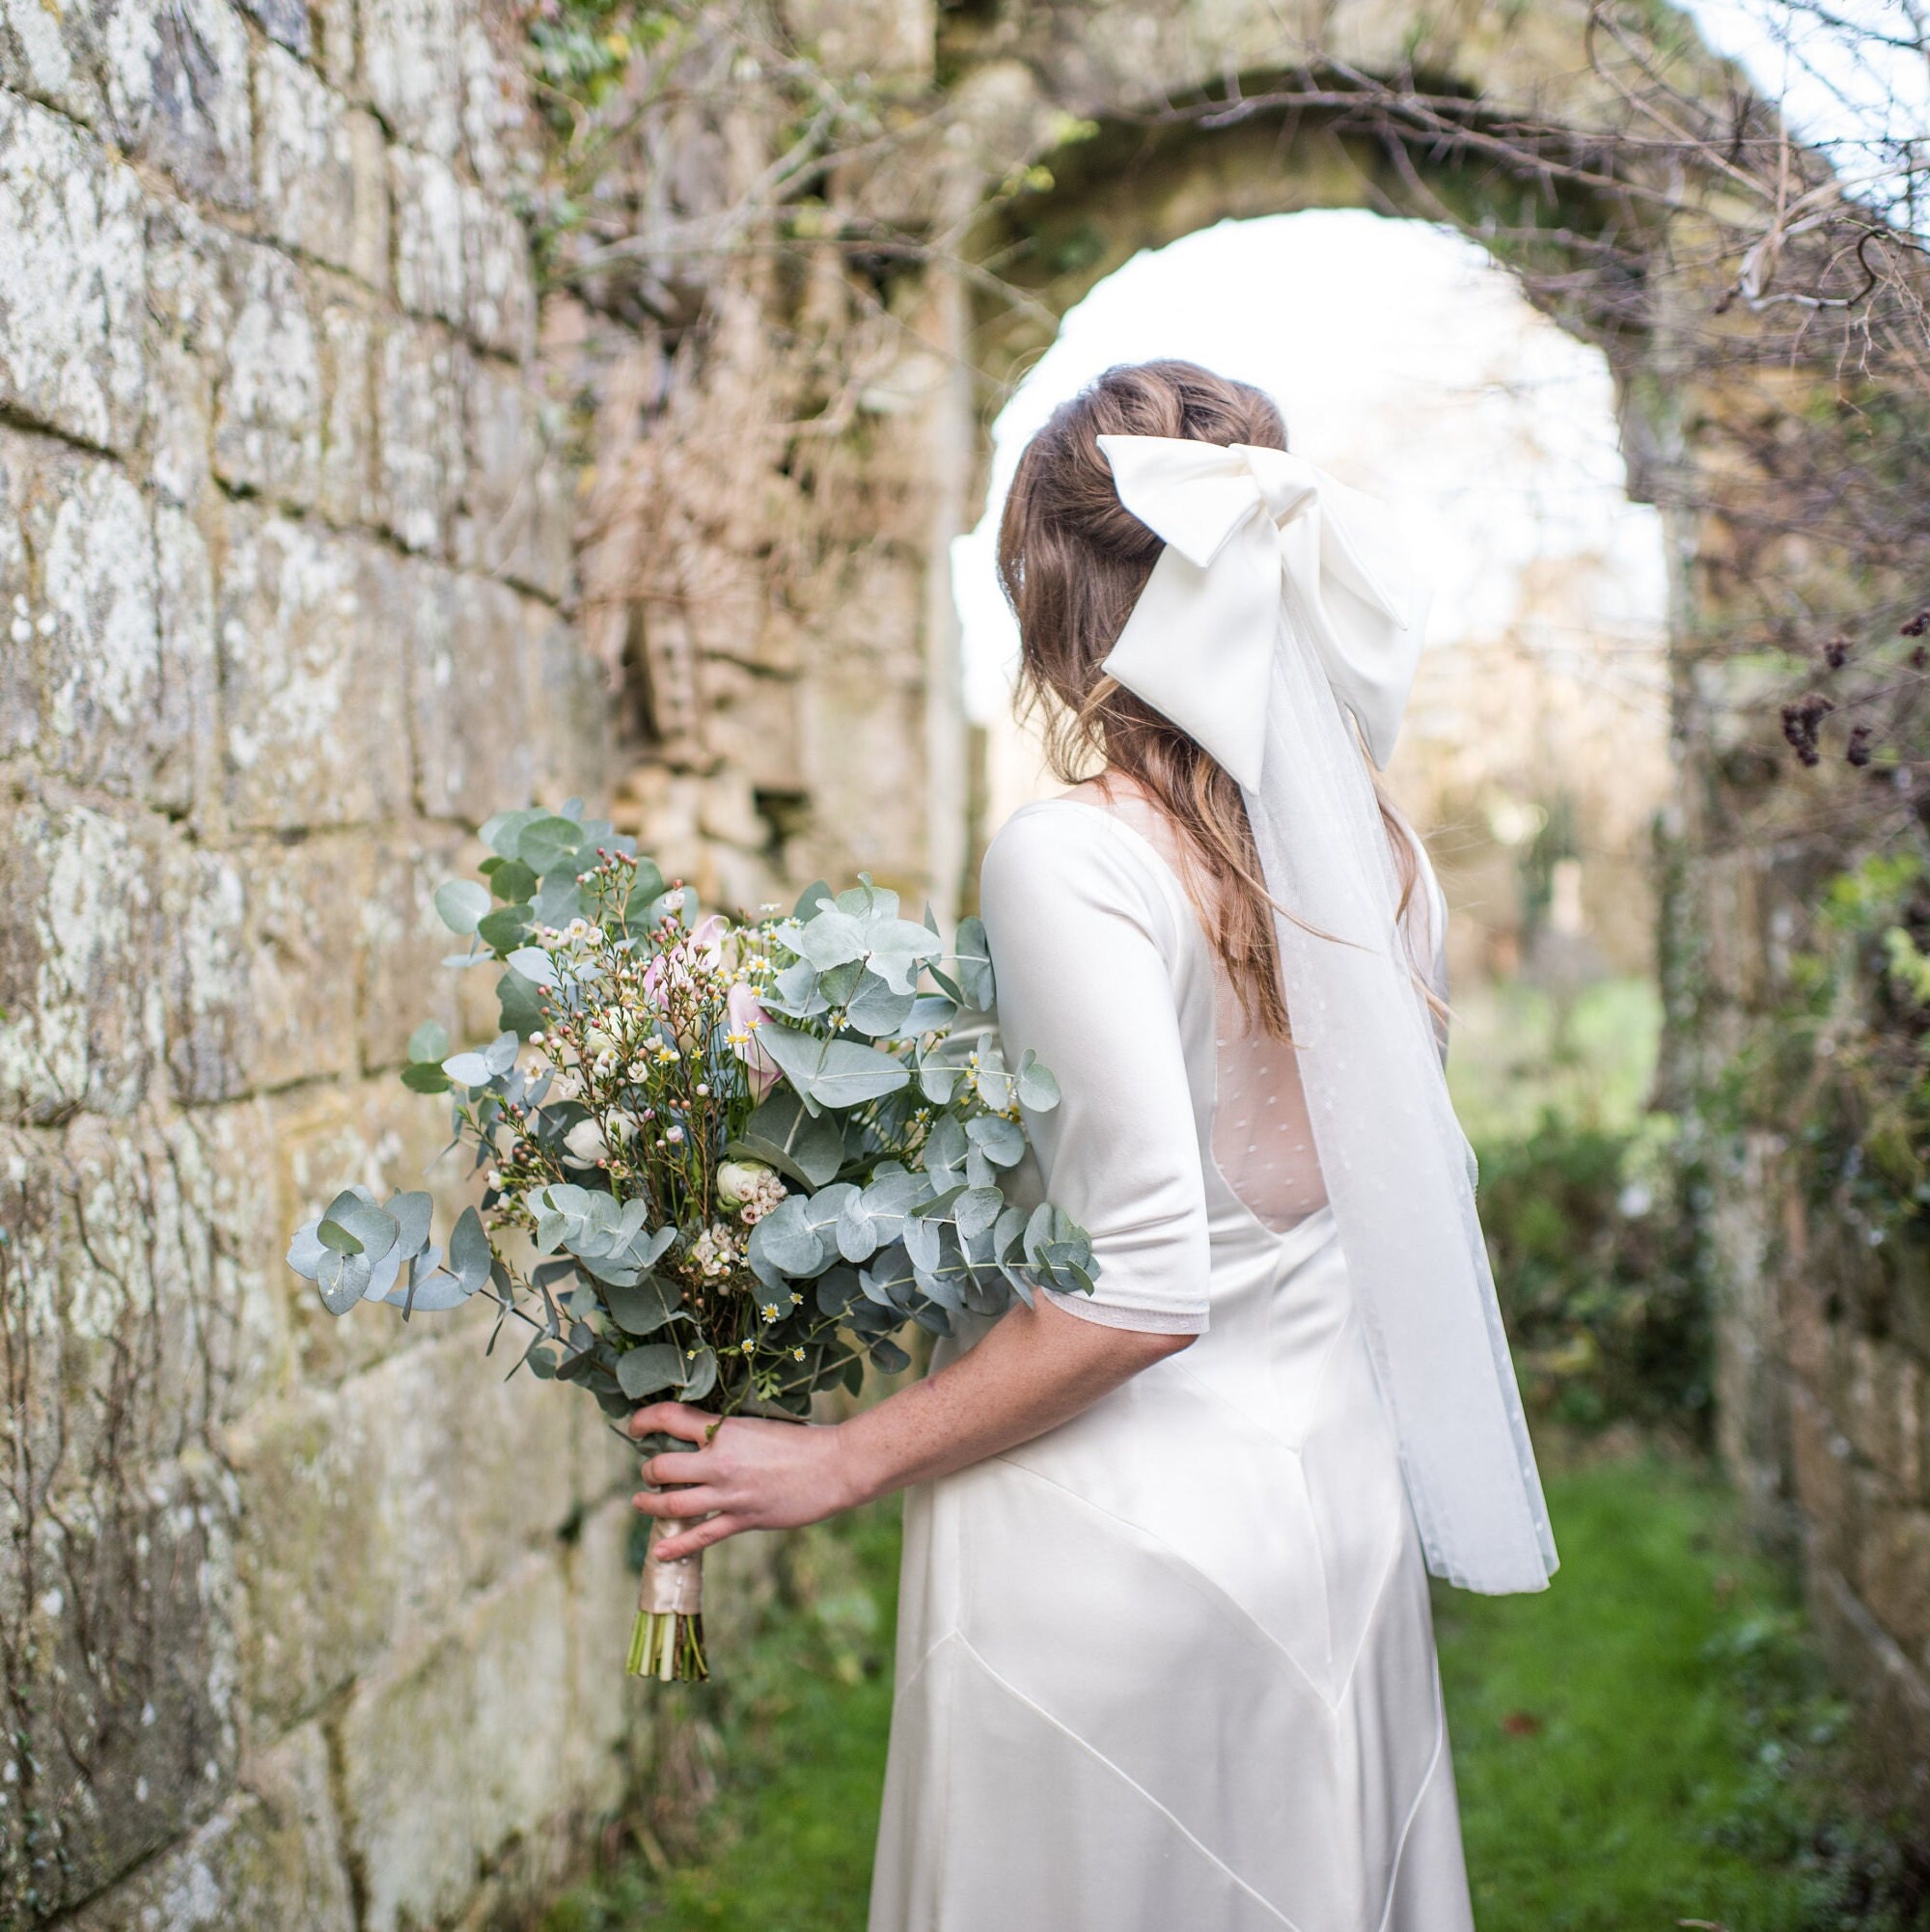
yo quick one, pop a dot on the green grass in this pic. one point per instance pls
(1652, 1742)
(1520, 1052)
(1649, 1742)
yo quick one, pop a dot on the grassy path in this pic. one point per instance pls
(1646, 1745)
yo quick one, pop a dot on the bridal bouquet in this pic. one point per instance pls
(722, 1162)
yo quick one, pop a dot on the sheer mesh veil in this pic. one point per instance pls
(1278, 617)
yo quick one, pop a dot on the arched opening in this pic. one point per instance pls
(1536, 750)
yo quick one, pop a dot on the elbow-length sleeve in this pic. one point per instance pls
(1080, 937)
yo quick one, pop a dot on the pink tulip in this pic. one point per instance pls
(746, 1015)
(706, 938)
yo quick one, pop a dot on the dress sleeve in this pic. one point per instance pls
(1079, 938)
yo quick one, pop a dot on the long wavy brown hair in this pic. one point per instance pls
(1072, 561)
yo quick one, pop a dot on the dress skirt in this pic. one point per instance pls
(1169, 1668)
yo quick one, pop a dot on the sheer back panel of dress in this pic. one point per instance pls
(1262, 1138)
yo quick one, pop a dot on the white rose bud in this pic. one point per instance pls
(737, 1181)
(584, 1141)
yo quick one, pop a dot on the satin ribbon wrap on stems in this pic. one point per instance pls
(1280, 617)
(667, 1639)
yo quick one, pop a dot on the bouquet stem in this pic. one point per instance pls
(667, 1639)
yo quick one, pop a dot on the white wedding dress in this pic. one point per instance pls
(1169, 1668)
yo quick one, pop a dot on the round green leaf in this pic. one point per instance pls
(459, 904)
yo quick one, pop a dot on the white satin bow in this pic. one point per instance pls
(1239, 522)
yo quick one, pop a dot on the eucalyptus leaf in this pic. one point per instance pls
(354, 1212)
(520, 1004)
(469, 1252)
(832, 1072)
(307, 1250)
(467, 1069)
(512, 881)
(412, 1213)
(655, 1364)
(803, 1146)
(700, 1376)
(857, 1232)
(1038, 1088)
(889, 1357)
(784, 1239)
(459, 904)
(549, 844)
(641, 1307)
(426, 1077)
(506, 927)
(434, 1294)
(876, 1010)
(808, 898)
(429, 1041)
(833, 938)
(561, 900)
(972, 953)
(535, 965)
(342, 1279)
(502, 831)
(1000, 1140)
(977, 1209)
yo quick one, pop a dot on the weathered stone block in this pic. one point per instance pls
(269, 388)
(431, 271)
(70, 279)
(411, 68)
(52, 56)
(1820, 1458)
(754, 725)
(185, 732)
(495, 112)
(320, 169)
(1893, 1570)
(83, 1010)
(312, 674)
(572, 706)
(262, 985)
(1883, 1410)
(100, 692)
(516, 510)
(283, 21)
(142, 1328)
(347, 492)
(605, 1722)
(332, 22)
(501, 306)
(408, 1486)
(472, 696)
(403, 943)
(420, 378)
(120, 1607)
(418, 1833)
(271, 1857)
(177, 87)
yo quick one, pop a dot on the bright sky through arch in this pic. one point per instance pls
(1405, 362)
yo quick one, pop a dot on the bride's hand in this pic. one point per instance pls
(745, 1473)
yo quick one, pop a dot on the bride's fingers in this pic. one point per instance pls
(678, 1468)
(687, 1542)
(675, 1502)
(673, 1419)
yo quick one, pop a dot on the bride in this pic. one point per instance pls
(1164, 1661)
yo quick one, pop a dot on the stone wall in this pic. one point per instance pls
(302, 1623)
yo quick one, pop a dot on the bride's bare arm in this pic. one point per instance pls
(1036, 1369)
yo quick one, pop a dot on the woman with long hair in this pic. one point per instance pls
(1165, 1657)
